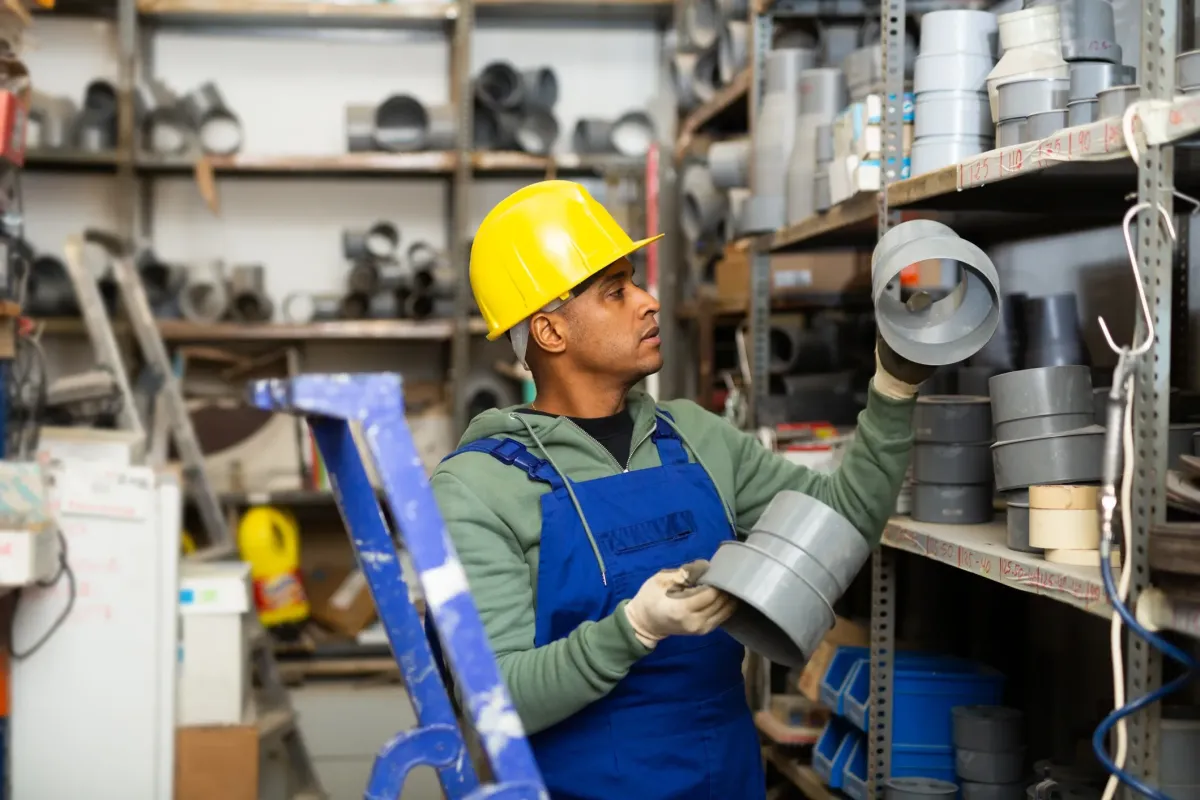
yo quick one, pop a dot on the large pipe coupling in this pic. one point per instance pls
(926, 331)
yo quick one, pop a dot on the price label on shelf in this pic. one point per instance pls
(1096, 141)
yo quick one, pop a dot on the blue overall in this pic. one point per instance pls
(677, 726)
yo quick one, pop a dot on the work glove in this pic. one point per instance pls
(895, 376)
(670, 604)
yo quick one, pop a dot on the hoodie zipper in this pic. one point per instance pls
(604, 449)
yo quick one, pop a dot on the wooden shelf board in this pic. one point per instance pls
(342, 330)
(236, 10)
(737, 91)
(981, 550)
(423, 163)
(516, 162)
(857, 210)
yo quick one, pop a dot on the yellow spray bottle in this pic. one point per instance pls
(269, 540)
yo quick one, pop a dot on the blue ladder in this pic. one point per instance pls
(376, 401)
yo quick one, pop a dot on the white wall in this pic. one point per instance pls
(290, 94)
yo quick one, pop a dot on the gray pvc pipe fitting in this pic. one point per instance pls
(702, 206)
(248, 296)
(632, 134)
(537, 131)
(981, 766)
(401, 124)
(539, 88)
(732, 47)
(799, 558)
(952, 505)
(990, 728)
(204, 297)
(422, 256)
(918, 789)
(946, 331)
(499, 85)
(729, 163)
(441, 130)
(302, 307)
(1070, 457)
(378, 242)
(1034, 402)
(1017, 522)
(360, 128)
(592, 136)
(953, 464)
(952, 418)
(993, 791)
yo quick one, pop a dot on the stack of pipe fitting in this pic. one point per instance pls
(400, 124)
(729, 167)
(1045, 435)
(864, 64)
(1032, 45)
(1187, 72)
(1031, 109)
(822, 96)
(200, 120)
(989, 752)
(630, 135)
(798, 560)
(952, 460)
(383, 282)
(1100, 86)
(56, 123)
(707, 50)
(952, 118)
(207, 292)
(514, 109)
(1092, 81)
(774, 137)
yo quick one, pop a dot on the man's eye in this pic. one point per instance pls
(617, 294)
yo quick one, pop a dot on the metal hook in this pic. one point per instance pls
(1147, 315)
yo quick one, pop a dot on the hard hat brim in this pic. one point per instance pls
(638, 245)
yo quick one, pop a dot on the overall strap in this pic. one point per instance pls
(513, 453)
(670, 447)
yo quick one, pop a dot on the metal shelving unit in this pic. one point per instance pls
(998, 196)
(137, 172)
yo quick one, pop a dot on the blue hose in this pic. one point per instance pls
(1109, 722)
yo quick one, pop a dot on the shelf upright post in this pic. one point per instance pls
(760, 260)
(460, 93)
(1156, 166)
(883, 612)
(127, 54)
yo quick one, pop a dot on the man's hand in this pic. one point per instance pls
(895, 376)
(668, 604)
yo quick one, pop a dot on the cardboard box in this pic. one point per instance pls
(219, 762)
(844, 632)
(214, 649)
(340, 599)
(798, 274)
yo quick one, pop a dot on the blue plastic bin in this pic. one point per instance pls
(924, 691)
(856, 691)
(837, 672)
(832, 751)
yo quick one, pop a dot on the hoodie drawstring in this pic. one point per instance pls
(587, 529)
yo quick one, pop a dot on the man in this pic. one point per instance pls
(573, 514)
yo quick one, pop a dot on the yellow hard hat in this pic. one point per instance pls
(537, 245)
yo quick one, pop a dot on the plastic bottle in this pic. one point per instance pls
(269, 540)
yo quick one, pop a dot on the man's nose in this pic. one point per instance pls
(649, 304)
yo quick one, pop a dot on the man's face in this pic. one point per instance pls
(613, 330)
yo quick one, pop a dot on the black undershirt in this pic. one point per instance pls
(615, 433)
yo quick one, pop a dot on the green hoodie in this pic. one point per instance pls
(493, 513)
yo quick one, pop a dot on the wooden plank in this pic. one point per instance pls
(281, 9)
(981, 550)
(737, 91)
(432, 163)
(380, 667)
(549, 166)
(663, 4)
(856, 210)
(382, 330)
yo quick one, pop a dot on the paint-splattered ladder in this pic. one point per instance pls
(375, 401)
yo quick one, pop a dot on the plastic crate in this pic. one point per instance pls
(907, 762)
(924, 690)
(833, 750)
(856, 691)
(837, 672)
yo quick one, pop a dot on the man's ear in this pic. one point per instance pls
(549, 331)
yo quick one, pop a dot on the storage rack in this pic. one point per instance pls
(969, 196)
(137, 21)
